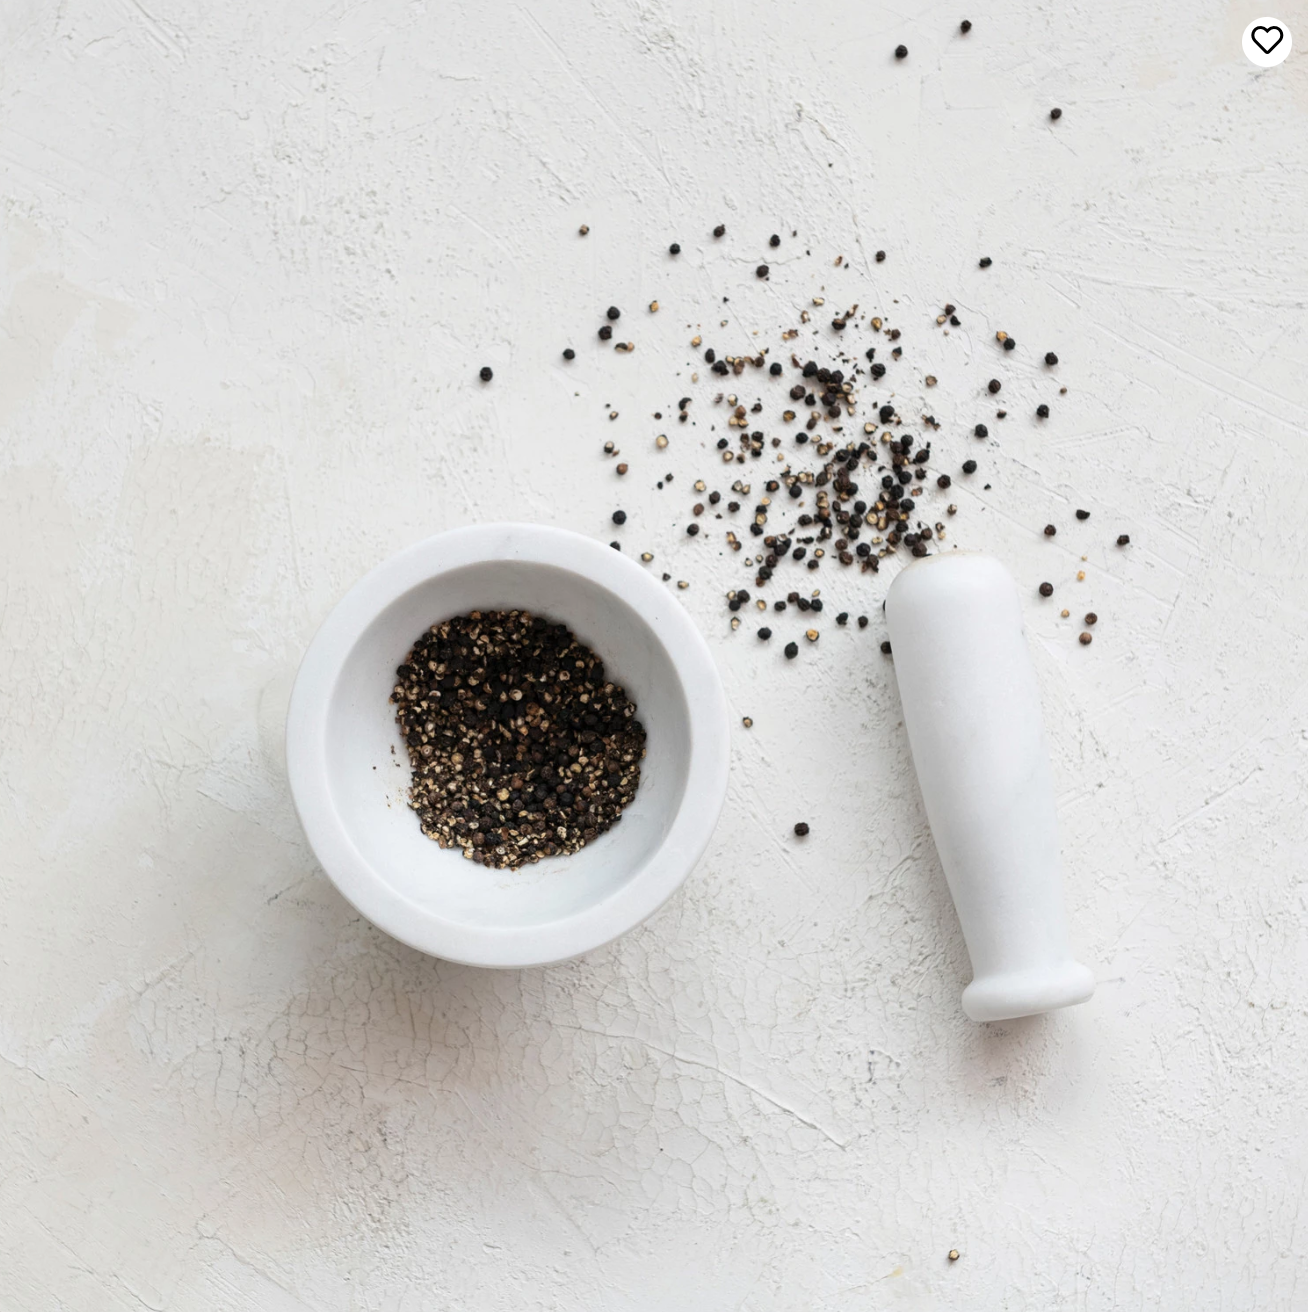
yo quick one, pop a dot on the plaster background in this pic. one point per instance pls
(252, 255)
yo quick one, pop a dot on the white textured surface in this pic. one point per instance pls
(252, 256)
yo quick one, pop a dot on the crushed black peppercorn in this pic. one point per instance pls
(521, 747)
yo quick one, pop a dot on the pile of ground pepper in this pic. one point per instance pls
(521, 747)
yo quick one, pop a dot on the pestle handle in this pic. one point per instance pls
(972, 711)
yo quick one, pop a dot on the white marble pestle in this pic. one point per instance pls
(972, 711)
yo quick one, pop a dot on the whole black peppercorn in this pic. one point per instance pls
(816, 603)
(614, 313)
(1042, 412)
(486, 373)
(792, 650)
(1046, 589)
(878, 371)
(885, 648)
(720, 230)
(605, 333)
(965, 26)
(1083, 514)
(985, 261)
(761, 271)
(569, 353)
(617, 546)
(881, 255)
(944, 480)
(862, 621)
(1091, 618)
(1050, 358)
(1124, 540)
(1009, 343)
(886, 413)
(764, 633)
(722, 444)
(994, 385)
(710, 355)
(1085, 639)
(969, 466)
(901, 52)
(692, 529)
(619, 516)
(774, 240)
(843, 618)
(1050, 530)
(1055, 113)
(675, 248)
(801, 829)
(796, 490)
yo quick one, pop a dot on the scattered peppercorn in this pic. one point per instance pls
(1055, 113)
(1050, 358)
(965, 26)
(674, 249)
(1050, 530)
(862, 621)
(994, 385)
(584, 229)
(985, 261)
(885, 648)
(775, 369)
(792, 650)
(1009, 343)
(765, 633)
(720, 230)
(1091, 618)
(619, 516)
(944, 480)
(1046, 589)
(1083, 514)
(801, 829)
(953, 1252)
(486, 373)
(901, 52)
(569, 353)
(1124, 539)
(622, 468)
(881, 255)
(761, 271)
(969, 466)
(1042, 412)
(1086, 639)
(605, 333)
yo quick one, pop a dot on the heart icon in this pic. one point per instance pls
(1267, 38)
